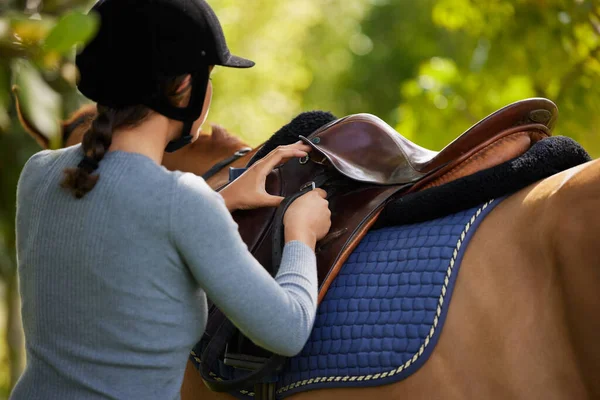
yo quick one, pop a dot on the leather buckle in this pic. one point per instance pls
(310, 184)
(243, 361)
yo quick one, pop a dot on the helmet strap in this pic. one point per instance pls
(185, 138)
(189, 114)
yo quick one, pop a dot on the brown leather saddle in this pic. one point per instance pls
(363, 164)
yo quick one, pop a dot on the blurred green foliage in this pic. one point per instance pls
(431, 68)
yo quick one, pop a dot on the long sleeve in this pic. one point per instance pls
(277, 314)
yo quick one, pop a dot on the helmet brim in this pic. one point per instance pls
(237, 62)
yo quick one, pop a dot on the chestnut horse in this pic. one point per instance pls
(526, 306)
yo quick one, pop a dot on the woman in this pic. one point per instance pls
(117, 254)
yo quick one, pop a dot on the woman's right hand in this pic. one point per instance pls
(308, 218)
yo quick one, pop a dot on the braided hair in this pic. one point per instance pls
(98, 138)
(95, 144)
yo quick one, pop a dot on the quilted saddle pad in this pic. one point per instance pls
(382, 316)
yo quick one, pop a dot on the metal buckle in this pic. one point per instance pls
(310, 184)
(304, 160)
(243, 361)
(242, 152)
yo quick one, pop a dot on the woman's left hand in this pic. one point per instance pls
(248, 190)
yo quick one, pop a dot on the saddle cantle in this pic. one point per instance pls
(362, 163)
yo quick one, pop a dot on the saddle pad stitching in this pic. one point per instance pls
(421, 350)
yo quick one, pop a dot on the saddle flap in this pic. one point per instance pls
(366, 149)
(254, 224)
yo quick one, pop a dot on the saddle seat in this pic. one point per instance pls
(366, 149)
(363, 164)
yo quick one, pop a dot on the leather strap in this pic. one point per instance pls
(264, 391)
(222, 164)
(217, 344)
(216, 347)
(278, 228)
(161, 104)
(185, 138)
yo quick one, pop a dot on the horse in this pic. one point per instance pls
(525, 307)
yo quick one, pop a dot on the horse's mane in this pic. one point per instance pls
(221, 136)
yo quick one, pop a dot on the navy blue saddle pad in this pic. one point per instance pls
(383, 314)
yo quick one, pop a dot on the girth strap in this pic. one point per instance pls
(215, 348)
(278, 228)
(217, 344)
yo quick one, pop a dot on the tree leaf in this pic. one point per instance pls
(29, 31)
(40, 104)
(4, 97)
(74, 28)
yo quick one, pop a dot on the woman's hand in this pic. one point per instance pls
(248, 191)
(308, 218)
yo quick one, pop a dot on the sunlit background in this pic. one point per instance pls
(429, 68)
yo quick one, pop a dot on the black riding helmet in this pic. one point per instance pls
(142, 43)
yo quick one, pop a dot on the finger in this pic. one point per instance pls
(301, 146)
(284, 153)
(279, 156)
(271, 201)
(320, 192)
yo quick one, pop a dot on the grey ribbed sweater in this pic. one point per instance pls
(114, 285)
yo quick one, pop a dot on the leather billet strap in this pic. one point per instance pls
(223, 163)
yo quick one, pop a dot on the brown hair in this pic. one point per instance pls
(98, 138)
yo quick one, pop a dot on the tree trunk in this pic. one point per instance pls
(14, 329)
